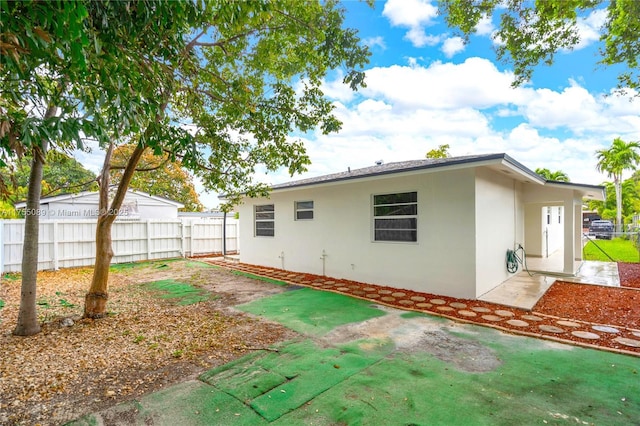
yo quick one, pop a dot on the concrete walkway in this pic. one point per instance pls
(524, 289)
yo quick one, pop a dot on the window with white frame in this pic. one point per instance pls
(395, 217)
(264, 216)
(304, 210)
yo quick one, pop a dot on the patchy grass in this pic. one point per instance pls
(156, 264)
(184, 294)
(619, 249)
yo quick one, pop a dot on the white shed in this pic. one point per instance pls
(84, 205)
(439, 226)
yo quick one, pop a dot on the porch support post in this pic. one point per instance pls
(569, 235)
(578, 225)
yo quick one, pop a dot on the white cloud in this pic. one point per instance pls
(452, 45)
(380, 119)
(375, 41)
(485, 26)
(415, 15)
(577, 109)
(410, 13)
(407, 110)
(419, 38)
(589, 28)
(475, 83)
(335, 89)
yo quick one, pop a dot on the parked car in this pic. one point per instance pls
(601, 229)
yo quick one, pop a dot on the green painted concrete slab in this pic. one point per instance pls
(534, 385)
(275, 383)
(311, 311)
(441, 373)
(195, 403)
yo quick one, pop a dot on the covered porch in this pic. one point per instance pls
(552, 247)
(524, 289)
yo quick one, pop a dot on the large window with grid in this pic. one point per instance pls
(395, 217)
(264, 220)
(304, 210)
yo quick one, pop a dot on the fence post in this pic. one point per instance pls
(1, 248)
(55, 246)
(183, 250)
(191, 244)
(148, 239)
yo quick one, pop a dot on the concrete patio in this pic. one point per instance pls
(525, 288)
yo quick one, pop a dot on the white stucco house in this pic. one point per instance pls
(440, 226)
(137, 205)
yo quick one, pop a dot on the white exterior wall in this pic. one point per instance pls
(442, 261)
(500, 217)
(534, 230)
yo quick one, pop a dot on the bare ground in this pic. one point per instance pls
(145, 344)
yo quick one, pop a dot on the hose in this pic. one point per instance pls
(513, 259)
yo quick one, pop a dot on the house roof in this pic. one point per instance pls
(502, 161)
(91, 194)
(498, 162)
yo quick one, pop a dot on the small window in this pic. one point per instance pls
(559, 214)
(264, 220)
(304, 210)
(548, 215)
(395, 217)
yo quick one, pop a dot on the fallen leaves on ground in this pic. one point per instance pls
(144, 344)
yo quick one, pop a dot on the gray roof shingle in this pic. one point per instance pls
(402, 166)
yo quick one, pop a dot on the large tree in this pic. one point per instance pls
(157, 175)
(246, 75)
(558, 175)
(68, 70)
(35, 109)
(621, 156)
(533, 32)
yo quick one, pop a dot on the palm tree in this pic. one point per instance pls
(558, 175)
(615, 160)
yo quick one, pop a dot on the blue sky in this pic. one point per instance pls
(425, 89)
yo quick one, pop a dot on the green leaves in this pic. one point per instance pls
(531, 33)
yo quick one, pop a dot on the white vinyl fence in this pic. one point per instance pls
(70, 243)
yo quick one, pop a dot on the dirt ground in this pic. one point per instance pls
(147, 342)
(76, 366)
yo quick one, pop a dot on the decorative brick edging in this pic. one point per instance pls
(606, 337)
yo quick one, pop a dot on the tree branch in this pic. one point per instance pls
(71, 186)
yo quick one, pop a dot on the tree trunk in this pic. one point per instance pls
(95, 302)
(618, 186)
(28, 314)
